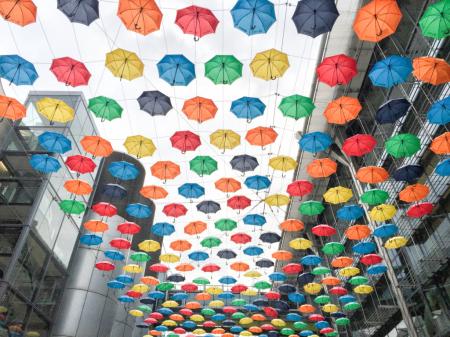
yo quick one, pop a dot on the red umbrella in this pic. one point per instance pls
(326, 330)
(158, 268)
(181, 331)
(241, 238)
(371, 259)
(271, 312)
(299, 188)
(210, 268)
(80, 164)
(196, 21)
(189, 287)
(175, 210)
(70, 71)
(358, 145)
(104, 209)
(267, 327)
(134, 294)
(338, 291)
(323, 230)
(120, 243)
(104, 265)
(185, 141)
(238, 288)
(209, 324)
(187, 312)
(316, 317)
(335, 70)
(239, 202)
(156, 315)
(292, 268)
(150, 320)
(129, 228)
(420, 209)
(229, 310)
(272, 295)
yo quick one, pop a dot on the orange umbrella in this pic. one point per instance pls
(203, 297)
(342, 110)
(432, 70)
(255, 329)
(192, 305)
(414, 192)
(306, 308)
(218, 331)
(199, 109)
(372, 175)
(282, 255)
(240, 266)
(357, 232)
(176, 317)
(195, 227)
(97, 146)
(180, 245)
(150, 280)
(261, 136)
(155, 333)
(292, 225)
(331, 281)
(11, 108)
(321, 168)
(227, 335)
(140, 16)
(441, 144)
(376, 20)
(154, 192)
(96, 226)
(342, 262)
(20, 12)
(77, 187)
(165, 170)
(228, 185)
(185, 267)
(258, 317)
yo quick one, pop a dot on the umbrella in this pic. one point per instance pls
(300, 243)
(203, 165)
(138, 210)
(296, 106)
(392, 111)
(128, 228)
(239, 266)
(384, 231)
(140, 146)
(253, 251)
(342, 110)
(420, 209)
(292, 226)
(357, 232)
(311, 260)
(338, 291)
(114, 191)
(54, 142)
(185, 267)
(149, 280)
(199, 109)
(239, 202)
(338, 195)
(149, 246)
(211, 242)
(320, 271)
(277, 200)
(296, 298)
(226, 253)
(336, 70)
(269, 237)
(210, 268)
(272, 295)
(133, 269)
(270, 64)
(342, 262)
(165, 286)
(45, 163)
(244, 163)
(359, 145)
(435, 21)
(414, 192)
(377, 269)
(262, 285)
(97, 146)
(237, 329)
(191, 191)
(255, 220)
(439, 113)
(322, 325)
(115, 285)
(366, 247)
(257, 182)
(140, 16)
(155, 102)
(403, 145)
(347, 271)
(176, 70)
(312, 288)
(314, 18)
(248, 108)
(351, 212)
(253, 16)
(292, 268)
(72, 207)
(81, 164)
(372, 175)
(180, 245)
(277, 276)
(15, 69)
(371, 259)
(70, 72)
(21, 12)
(241, 238)
(158, 268)
(408, 172)
(177, 278)
(208, 207)
(282, 255)
(391, 71)
(333, 248)
(141, 288)
(163, 229)
(323, 230)
(227, 280)
(54, 110)
(315, 142)
(322, 299)
(382, 213)
(104, 266)
(185, 141)
(283, 163)
(91, 240)
(165, 170)
(225, 225)
(104, 209)
(342, 321)
(227, 185)
(251, 307)
(223, 69)
(96, 226)
(311, 208)
(261, 136)
(154, 192)
(431, 70)
(305, 308)
(321, 168)
(197, 21)
(198, 256)
(395, 242)
(363, 289)
(124, 64)
(120, 243)
(375, 196)
(441, 144)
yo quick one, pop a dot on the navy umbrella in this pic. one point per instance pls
(286, 289)
(338, 314)
(270, 237)
(315, 17)
(392, 111)
(408, 172)
(261, 303)
(142, 325)
(282, 305)
(79, 11)
(114, 191)
(244, 163)
(305, 278)
(228, 322)
(147, 300)
(226, 254)
(273, 333)
(208, 207)
(264, 263)
(155, 103)
(176, 278)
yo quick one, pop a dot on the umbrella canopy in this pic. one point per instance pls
(198, 256)
(253, 251)
(104, 209)
(211, 242)
(420, 209)
(180, 245)
(138, 210)
(359, 145)
(439, 113)
(72, 207)
(54, 110)
(154, 192)
(239, 202)
(384, 231)
(70, 72)
(372, 175)
(239, 266)
(140, 146)
(313, 18)
(128, 228)
(351, 212)
(158, 267)
(223, 69)
(292, 225)
(321, 168)
(270, 64)
(311, 208)
(255, 220)
(165, 170)
(366, 247)
(292, 268)
(377, 269)
(300, 243)
(337, 70)
(371, 259)
(342, 110)
(283, 163)
(338, 195)
(265, 263)
(21, 13)
(320, 271)
(391, 71)
(185, 267)
(296, 106)
(323, 230)
(333, 248)
(315, 142)
(244, 163)
(185, 141)
(435, 21)
(441, 144)
(270, 237)
(277, 200)
(248, 108)
(124, 64)
(257, 182)
(140, 16)
(197, 21)
(408, 172)
(203, 165)
(154, 102)
(253, 16)
(97, 146)
(149, 246)
(375, 196)
(208, 207)
(54, 142)
(282, 255)
(191, 191)
(342, 261)
(403, 145)
(176, 70)
(124, 171)
(431, 70)
(395, 242)
(382, 213)
(261, 136)
(348, 271)
(241, 238)
(225, 225)
(227, 185)
(114, 191)
(392, 111)
(357, 232)
(96, 226)
(195, 228)
(311, 260)
(414, 192)
(91, 240)
(13, 68)
(199, 109)
(47, 164)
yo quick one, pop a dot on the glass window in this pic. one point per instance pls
(8, 240)
(38, 324)
(66, 240)
(16, 314)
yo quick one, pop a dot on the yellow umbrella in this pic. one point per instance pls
(3, 310)
(214, 290)
(140, 146)
(330, 308)
(278, 322)
(269, 64)
(363, 289)
(169, 322)
(141, 288)
(216, 303)
(245, 320)
(225, 139)
(170, 304)
(309, 336)
(277, 200)
(32, 334)
(283, 163)
(197, 318)
(300, 244)
(382, 213)
(199, 332)
(253, 273)
(249, 292)
(136, 313)
(337, 195)
(349, 271)
(124, 64)
(54, 110)
(395, 242)
(245, 333)
(169, 258)
(149, 246)
(133, 268)
(312, 288)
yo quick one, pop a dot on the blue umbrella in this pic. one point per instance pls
(228, 322)
(115, 284)
(138, 210)
(347, 299)
(377, 269)
(315, 142)
(244, 163)
(226, 254)
(364, 247)
(163, 229)
(191, 191)
(273, 333)
(162, 328)
(54, 142)
(265, 263)
(294, 317)
(156, 295)
(408, 172)
(315, 17)
(91, 240)
(254, 220)
(384, 231)
(261, 302)
(237, 329)
(208, 207)
(180, 296)
(253, 251)
(248, 108)
(439, 113)
(305, 278)
(124, 278)
(189, 324)
(257, 183)
(114, 191)
(253, 16)
(165, 311)
(17, 70)
(218, 317)
(227, 294)
(391, 71)
(142, 325)
(44, 163)
(227, 280)
(251, 307)
(125, 299)
(176, 70)
(321, 325)
(123, 170)
(352, 212)
(176, 278)
(286, 289)
(209, 335)
(277, 276)
(263, 335)
(147, 300)
(282, 305)
(338, 314)
(270, 237)
(198, 256)
(311, 260)
(296, 297)
(306, 333)
(114, 255)
(443, 168)
(392, 111)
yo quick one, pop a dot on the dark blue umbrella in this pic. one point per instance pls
(156, 295)
(294, 317)
(189, 324)
(391, 71)
(226, 254)
(138, 210)
(315, 17)
(443, 168)
(237, 329)
(408, 172)
(392, 111)
(228, 322)
(364, 247)
(377, 269)
(155, 103)
(251, 307)
(114, 255)
(338, 314)
(439, 113)
(91, 240)
(180, 296)
(176, 70)
(44, 163)
(17, 70)
(227, 294)
(125, 299)
(305, 278)
(347, 299)
(176, 278)
(286, 289)
(123, 170)
(277, 276)
(253, 16)
(248, 108)
(162, 328)
(270, 237)
(315, 142)
(142, 325)
(114, 191)
(273, 333)
(264, 263)
(244, 163)
(124, 278)
(253, 251)
(257, 183)
(54, 142)
(311, 260)
(84, 12)
(163, 229)
(198, 256)
(254, 220)
(296, 297)
(208, 207)
(385, 231)
(321, 325)
(261, 303)
(351, 212)
(218, 317)
(282, 305)
(191, 191)
(115, 284)
(147, 300)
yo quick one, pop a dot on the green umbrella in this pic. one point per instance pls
(403, 145)
(223, 69)
(435, 22)
(320, 271)
(322, 299)
(105, 108)
(287, 331)
(140, 257)
(352, 306)
(203, 165)
(358, 280)
(237, 315)
(332, 334)
(225, 225)
(165, 286)
(296, 106)
(262, 285)
(239, 301)
(201, 280)
(300, 325)
(210, 242)
(145, 308)
(208, 311)
(72, 207)
(342, 321)
(311, 208)
(375, 196)
(333, 248)
(173, 335)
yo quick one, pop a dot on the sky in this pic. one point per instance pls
(54, 36)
